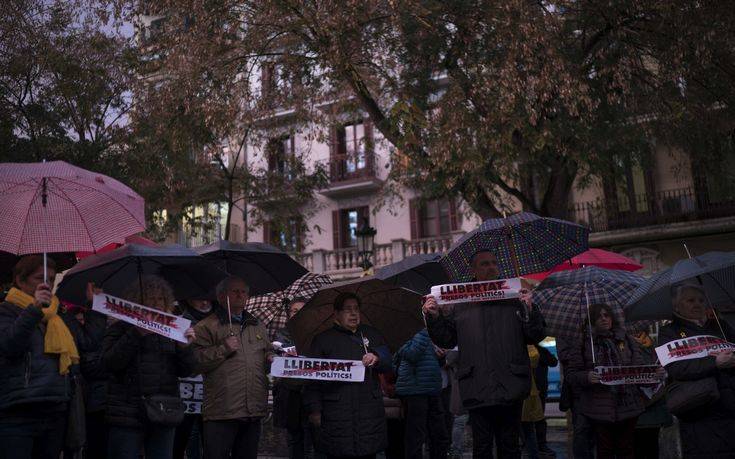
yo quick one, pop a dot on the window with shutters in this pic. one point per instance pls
(281, 153)
(352, 155)
(433, 219)
(345, 222)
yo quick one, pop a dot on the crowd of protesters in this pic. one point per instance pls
(471, 362)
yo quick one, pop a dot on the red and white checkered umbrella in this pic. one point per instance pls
(57, 207)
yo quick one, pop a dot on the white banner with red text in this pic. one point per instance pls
(150, 319)
(466, 292)
(191, 391)
(637, 374)
(318, 369)
(694, 347)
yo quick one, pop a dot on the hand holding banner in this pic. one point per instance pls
(620, 375)
(150, 319)
(318, 369)
(694, 347)
(465, 292)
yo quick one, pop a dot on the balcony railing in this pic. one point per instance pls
(669, 206)
(352, 167)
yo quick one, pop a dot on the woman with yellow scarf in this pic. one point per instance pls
(36, 351)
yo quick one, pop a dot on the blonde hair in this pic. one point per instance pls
(151, 284)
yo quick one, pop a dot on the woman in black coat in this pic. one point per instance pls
(349, 417)
(707, 431)
(34, 384)
(141, 364)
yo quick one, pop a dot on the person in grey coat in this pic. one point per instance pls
(494, 372)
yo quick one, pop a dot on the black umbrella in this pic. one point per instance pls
(265, 268)
(417, 272)
(394, 311)
(713, 271)
(190, 275)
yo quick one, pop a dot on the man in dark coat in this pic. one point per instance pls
(188, 437)
(546, 360)
(707, 431)
(349, 416)
(494, 372)
(288, 400)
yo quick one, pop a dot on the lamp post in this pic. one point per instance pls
(365, 241)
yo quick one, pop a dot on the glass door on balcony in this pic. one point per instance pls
(628, 196)
(355, 143)
(351, 155)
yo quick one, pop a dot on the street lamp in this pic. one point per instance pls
(365, 240)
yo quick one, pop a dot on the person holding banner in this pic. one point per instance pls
(612, 410)
(349, 417)
(494, 374)
(707, 428)
(233, 355)
(144, 368)
(288, 401)
(189, 433)
(36, 353)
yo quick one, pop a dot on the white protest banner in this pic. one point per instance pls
(500, 289)
(694, 347)
(638, 374)
(150, 319)
(319, 369)
(191, 391)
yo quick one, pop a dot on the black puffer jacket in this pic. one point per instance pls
(353, 416)
(89, 343)
(27, 374)
(708, 431)
(140, 365)
(494, 368)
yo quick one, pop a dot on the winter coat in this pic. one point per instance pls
(597, 401)
(708, 431)
(29, 378)
(541, 372)
(353, 416)
(533, 408)
(494, 368)
(455, 399)
(89, 343)
(418, 371)
(140, 365)
(235, 382)
(288, 399)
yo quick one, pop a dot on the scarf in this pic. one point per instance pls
(58, 338)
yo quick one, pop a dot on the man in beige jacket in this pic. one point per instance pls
(233, 354)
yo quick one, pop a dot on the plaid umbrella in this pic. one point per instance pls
(563, 297)
(265, 268)
(417, 273)
(524, 243)
(57, 207)
(395, 311)
(713, 271)
(271, 307)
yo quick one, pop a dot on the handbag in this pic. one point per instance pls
(164, 410)
(682, 397)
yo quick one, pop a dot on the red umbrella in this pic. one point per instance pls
(56, 207)
(134, 239)
(592, 257)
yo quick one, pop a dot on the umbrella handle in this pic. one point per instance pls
(589, 324)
